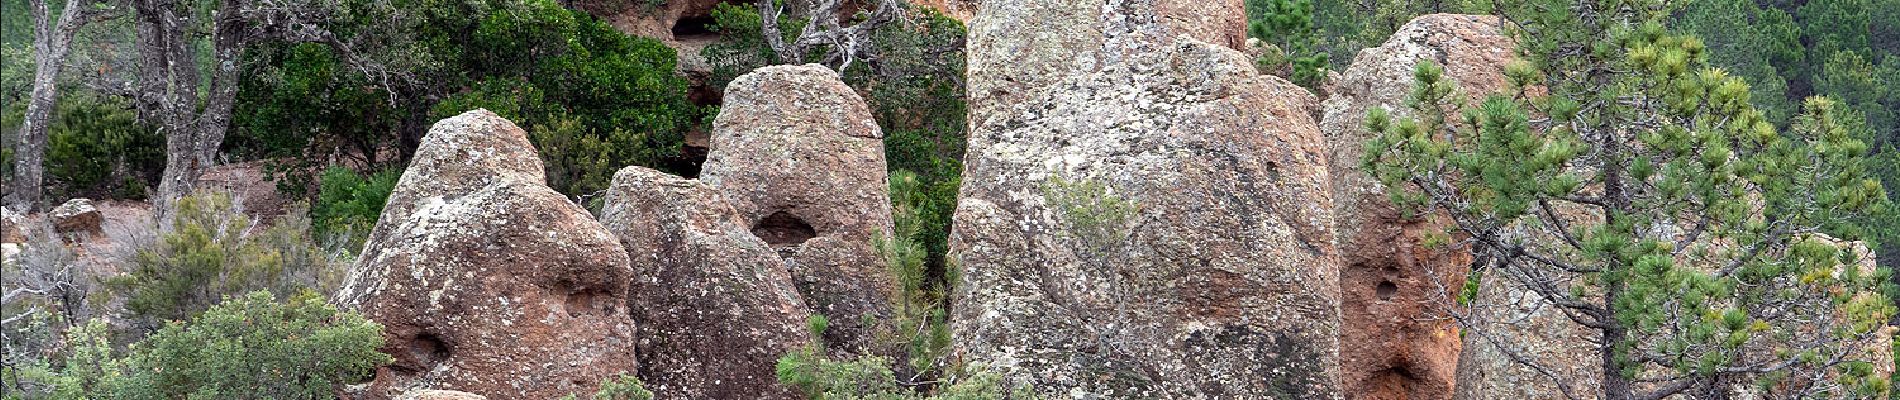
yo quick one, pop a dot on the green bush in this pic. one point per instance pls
(809, 370)
(593, 99)
(212, 250)
(248, 347)
(97, 148)
(348, 204)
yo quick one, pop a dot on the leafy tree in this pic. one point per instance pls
(250, 347)
(1644, 197)
(594, 99)
(301, 106)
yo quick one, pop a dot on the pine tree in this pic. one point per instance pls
(1636, 189)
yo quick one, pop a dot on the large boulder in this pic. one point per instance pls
(1396, 342)
(486, 280)
(1218, 279)
(715, 305)
(797, 155)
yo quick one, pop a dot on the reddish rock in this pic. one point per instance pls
(715, 305)
(77, 216)
(486, 280)
(1396, 341)
(797, 155)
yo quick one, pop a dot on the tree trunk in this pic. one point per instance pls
(52, 40)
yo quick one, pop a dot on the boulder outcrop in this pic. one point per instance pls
(1395, 340)
(714, 304)
(796, 154)
(77, 216)
(1143, 214)
(486, 280)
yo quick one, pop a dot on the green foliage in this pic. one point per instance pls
(741, 47)
(819, 377)
(97, 148)
(299, 105)
(593, 99)
(212, 250)
(349, 204)
(1092, 212)
(621, 387)
(1690, 216)
(1287, 25)
(247, 347)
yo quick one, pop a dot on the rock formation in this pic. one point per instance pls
(797, 155)
(486, 280)
(1395, 343)
(780, 225)
(77, 216)
(714, 304)
(1221, 280)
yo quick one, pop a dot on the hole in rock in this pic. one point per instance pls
(583, 301)
(1396, 383)
(783, 229)
(695, 28)
(425, 351)
(1386, 289)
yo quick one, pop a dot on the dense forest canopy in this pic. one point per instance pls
(135, 100)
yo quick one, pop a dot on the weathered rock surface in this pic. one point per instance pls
(962, 10)
(714, 304)
(486, 280)
(1223, 281)
(1016, 47)
(77, 216)
(12, 226)
(797, 155)
(1395, 342)
(440, 395)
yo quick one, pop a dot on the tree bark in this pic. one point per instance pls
(52, 41)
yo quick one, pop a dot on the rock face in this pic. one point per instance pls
(1222, 280)
(797, 155)
(77, 216)
(486, 280)
(1395, 343)
(714, 304)
(440, 395)
(12, 226)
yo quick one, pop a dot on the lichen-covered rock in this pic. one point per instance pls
(962, 10)
(1222, 279)
(77, 216)
(440, 395)
(1016, 47)
(486, 280)
(1395, 341)
(797, 155)
(714, 304)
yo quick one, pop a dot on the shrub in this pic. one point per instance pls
(249, 347)
(348, 204)
(213, 250)
(592, 98)
(97, 148)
